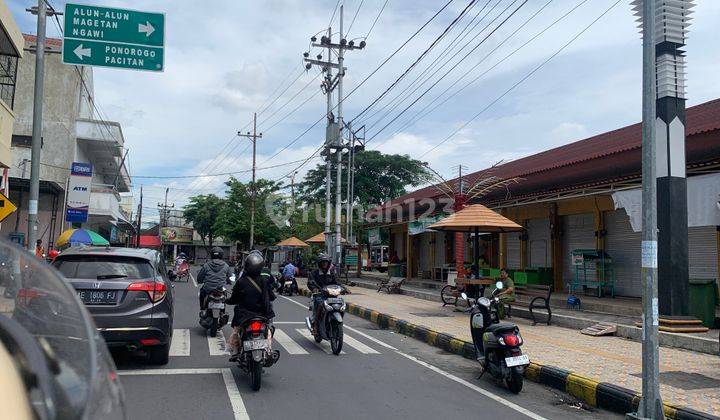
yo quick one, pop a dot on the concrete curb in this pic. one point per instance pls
(597, 394)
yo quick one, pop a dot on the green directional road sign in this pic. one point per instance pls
(110, 37)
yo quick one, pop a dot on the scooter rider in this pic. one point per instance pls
(214, 274)
(252, 296)
(319, 278)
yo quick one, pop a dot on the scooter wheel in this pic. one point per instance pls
(515, 382)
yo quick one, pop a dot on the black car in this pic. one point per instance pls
(128, 293)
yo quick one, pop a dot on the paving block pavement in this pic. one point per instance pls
(602, 371)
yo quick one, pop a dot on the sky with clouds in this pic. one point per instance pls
(226, 59)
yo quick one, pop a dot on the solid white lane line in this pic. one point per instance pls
(288, 344)
(369, 337)
(359, 346)
(193, 280)
(197, 371)
(324, 345)
(180, 345)
(302, 305)
(236, 400)
(217, 345)
(475, 388)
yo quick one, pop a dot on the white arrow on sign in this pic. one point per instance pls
(82, 52)
(147, 28)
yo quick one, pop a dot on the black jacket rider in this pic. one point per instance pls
(319, 279)
(249, 301)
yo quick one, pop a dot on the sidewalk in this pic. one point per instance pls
(688, 379)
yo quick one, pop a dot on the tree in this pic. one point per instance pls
(234, 220)
(378, 178)
(203, 212)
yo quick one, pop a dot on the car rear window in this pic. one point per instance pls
(103, 268)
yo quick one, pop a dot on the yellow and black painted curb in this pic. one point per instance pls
(597, 394)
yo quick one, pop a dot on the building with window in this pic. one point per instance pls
(73, 131)
(584, 195)
(11, 50)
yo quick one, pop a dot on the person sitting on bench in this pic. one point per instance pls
(507, 294)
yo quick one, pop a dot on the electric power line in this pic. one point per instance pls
(376, 19)
(519, 82)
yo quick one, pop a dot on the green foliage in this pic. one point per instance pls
(378, 178)
(234, 220)
(203, 212)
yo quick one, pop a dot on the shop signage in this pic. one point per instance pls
(374, 236)
(176, 235)
(78, 194)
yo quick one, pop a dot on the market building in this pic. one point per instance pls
(582, 196)
(73, 131)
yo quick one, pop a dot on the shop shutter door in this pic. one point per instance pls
(513, 250)
(539, 243)
(578, 233)
(623, 246)
(702, 256)
(424, 254)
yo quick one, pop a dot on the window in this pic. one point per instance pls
(99, 267)
(8, 77)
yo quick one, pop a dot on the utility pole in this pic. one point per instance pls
(355, 148)
(333, 137)
(292, 186)
(139, 223)
(650, 404)
(348, 204)
(41, 11)
(165, 210)
(253, 190)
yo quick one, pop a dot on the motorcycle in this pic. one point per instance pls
(254, 354)
(497, 344)
(213, 317)
(288, 286)
(330, 319)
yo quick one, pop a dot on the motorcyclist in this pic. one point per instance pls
(252, 296)
(320, 277)
(289, 272)
(214, 274)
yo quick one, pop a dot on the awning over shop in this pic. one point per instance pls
(703, 199)
(476, 218)
(292, 242)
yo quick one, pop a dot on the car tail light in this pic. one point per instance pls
(511, 340)
(24, 296)
(149, 341)
(155, 289)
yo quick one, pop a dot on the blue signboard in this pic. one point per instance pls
(78, 195)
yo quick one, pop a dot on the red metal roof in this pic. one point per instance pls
(614, 154)
(32, 39)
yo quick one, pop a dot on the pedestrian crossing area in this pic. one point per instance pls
(289, 339)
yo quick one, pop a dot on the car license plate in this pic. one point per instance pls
(216, 305)
(255, 345)
(333, 301)
(98, 297)
(517, 360)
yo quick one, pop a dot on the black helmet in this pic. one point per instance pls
(216, 253)
(324, 258)
(254, 263)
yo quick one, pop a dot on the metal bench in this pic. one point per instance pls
(392, 284)
(540, 299)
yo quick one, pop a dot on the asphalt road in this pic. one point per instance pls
(379, 375)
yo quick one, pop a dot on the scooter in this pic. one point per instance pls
(213, 317)
(288, 286)
(330, 322)
(497, 344)
(254, 346)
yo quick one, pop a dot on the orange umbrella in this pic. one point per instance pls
(476, 218)
(319, 239)
(292, 242)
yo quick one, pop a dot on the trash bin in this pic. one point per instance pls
(702, 300)
(395, 270)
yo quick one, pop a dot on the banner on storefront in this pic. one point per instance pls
(421, 225)
(374, 236)
(78, 194)
(177, 235)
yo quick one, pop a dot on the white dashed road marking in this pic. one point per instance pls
(357, 345)
(217, 345)
(324, 345)
(287, 343)
(180, 345)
